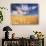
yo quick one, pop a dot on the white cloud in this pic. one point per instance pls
(34, 7)
(25, 7)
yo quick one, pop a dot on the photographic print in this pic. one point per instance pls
(24, 13)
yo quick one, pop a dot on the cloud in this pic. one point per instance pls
(34, 7)
(25, 7)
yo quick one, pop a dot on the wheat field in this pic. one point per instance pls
(24, 19)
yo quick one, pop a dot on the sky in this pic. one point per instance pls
(25, 9)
